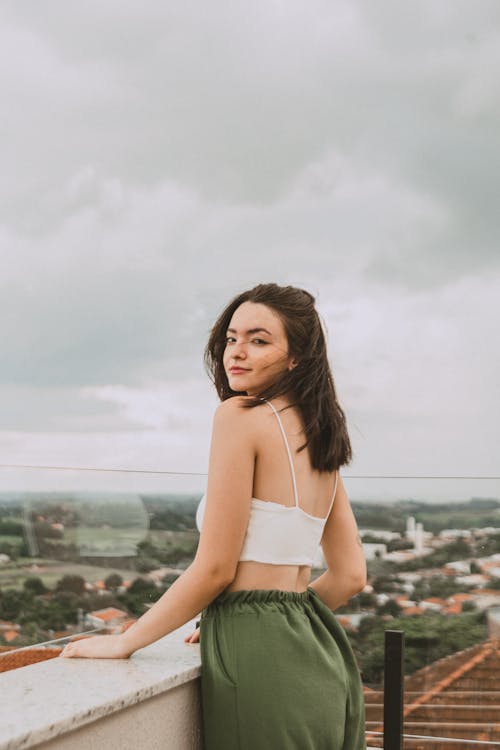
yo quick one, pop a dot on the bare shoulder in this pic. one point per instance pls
(234, 408)
(231, 414)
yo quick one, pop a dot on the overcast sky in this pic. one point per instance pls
(158, 158)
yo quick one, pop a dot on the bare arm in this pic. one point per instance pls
(227, 510)
(229, 492)
(346, 565)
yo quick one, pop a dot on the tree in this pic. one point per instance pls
(390, 607)
(139, 593)
(427, 638)
(11, 604)
(142, 586)
(145, 564)
(35, 585)
(113, 581)
(169, 578)
(73, 583)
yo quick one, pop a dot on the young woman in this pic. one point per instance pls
(278, 672)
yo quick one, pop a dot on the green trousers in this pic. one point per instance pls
(278, 673)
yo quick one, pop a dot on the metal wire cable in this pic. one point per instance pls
(204, 473)
(48, 643)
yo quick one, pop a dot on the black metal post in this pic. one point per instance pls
(393, 689)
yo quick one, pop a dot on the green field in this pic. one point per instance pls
(92, 541)
(459, 518)
(9, 539)
(13, 575)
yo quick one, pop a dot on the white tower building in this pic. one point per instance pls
(410, 528)
(419, 539)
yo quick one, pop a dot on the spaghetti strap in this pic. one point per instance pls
(334, 493)
(289, 454)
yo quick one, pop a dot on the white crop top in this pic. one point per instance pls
(276, 533)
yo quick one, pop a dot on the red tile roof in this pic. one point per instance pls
(461, 597)
(108, 613)
(412, 611)
(10, 635)
(24, 657)
(457, 697)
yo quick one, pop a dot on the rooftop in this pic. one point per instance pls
(455, 701)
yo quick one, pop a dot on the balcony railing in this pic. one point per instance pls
(149, 700)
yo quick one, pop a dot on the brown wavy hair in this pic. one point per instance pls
(309, 384)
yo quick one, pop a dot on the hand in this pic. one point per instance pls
(97, 647)
(194, 637)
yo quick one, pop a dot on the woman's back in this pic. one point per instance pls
(284, 478)
(273, 478)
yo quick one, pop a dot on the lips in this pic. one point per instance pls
(236, 370)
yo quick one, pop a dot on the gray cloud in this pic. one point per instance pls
(158, 159)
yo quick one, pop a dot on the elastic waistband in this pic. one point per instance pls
(236, 600)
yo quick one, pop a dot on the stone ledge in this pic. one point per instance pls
(43, 701)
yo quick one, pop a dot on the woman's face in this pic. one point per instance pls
(256, 343)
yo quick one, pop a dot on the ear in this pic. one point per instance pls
(292, 364)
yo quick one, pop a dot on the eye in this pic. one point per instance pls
(229, 338)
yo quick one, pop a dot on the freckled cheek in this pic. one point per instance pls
(270, 361)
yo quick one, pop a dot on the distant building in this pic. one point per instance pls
(109, 618)
(399, 556)
(412, 611)
(452, 534)
(416, 534)
(374, 550)
(387, 536)
(419, 539)
(410, 528)
(9, 630)
(158, 574)
(490, 564)
(487, 531)
(475, 579)
(493, 619)
(459, 566)
(433, 604)
(351, 621)
(485, 598)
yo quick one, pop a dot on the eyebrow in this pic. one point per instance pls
(251, 330)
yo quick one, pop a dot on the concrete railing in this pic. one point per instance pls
(149, 701)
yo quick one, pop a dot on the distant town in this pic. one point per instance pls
(94, 563)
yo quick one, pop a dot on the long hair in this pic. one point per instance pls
(309, 384)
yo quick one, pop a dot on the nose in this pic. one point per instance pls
(237, 349)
